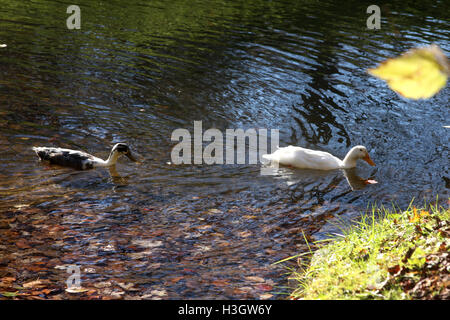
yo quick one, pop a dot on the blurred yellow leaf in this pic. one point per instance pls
(418, 73)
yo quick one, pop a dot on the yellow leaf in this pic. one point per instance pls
(424, 213)
(415, 217)
(418, 73)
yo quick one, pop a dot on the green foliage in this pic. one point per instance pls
(377, 254)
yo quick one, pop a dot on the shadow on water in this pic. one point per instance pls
(137, 73)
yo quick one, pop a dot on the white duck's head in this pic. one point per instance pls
(356, 153)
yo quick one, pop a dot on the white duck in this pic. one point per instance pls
(81, 160)
(311, 159)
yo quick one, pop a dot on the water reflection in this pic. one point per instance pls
(310, 179)
(356, 182)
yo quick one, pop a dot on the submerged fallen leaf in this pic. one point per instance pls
(35, 284)
(159, 293)
(417, 74)
(266, 296)
(76, 290)
(9, 294)
(23, 244)
(254, 279)
(7, 280)
(221, 283)
(213, 211)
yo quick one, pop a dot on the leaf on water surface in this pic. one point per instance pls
(417, 74)
(3, 45)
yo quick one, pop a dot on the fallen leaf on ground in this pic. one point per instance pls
(394, 270)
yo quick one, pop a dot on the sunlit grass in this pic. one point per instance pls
(374, 255)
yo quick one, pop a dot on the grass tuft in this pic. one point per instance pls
(388, 254)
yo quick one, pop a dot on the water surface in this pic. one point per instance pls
(134, 73)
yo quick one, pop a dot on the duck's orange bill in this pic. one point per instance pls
(368, 160)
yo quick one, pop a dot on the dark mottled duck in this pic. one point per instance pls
(81, 160)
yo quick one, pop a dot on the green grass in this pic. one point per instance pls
(380, 257)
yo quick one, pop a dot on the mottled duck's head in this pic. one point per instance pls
(122, 148)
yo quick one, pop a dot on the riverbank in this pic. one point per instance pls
(388, 255)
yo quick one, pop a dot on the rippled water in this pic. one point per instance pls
(136, 72)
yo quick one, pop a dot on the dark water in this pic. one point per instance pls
(138, 70)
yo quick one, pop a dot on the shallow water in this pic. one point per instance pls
(135, 73)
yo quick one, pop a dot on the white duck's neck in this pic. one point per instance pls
(349, 160)
(112, 159)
